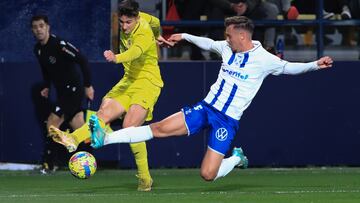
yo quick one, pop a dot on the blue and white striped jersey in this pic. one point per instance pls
(241, 74)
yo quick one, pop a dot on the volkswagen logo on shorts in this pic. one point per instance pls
(221, 134)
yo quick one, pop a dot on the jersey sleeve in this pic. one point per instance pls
(45, 74)
(142, 43)
(279, 66)
(218, 46)
(204, 43)
(274, 64)
(70, 52)
(299, 68)
(153, 21)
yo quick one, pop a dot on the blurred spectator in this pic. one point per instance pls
(327, 15)
(352, 37)
(330, 8)
(219, 9)
(212, 9)
(337, 6)
(347, 9)
(288, 11)
(354, 6)
(260, 10)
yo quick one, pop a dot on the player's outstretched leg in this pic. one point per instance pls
(63, 138)
(244, 162)
(97, 132)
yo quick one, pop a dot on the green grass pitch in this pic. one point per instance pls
(185, 185)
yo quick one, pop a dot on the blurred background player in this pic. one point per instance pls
(245, 64)
(58, 59)
(135, 95)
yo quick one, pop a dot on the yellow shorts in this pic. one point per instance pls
(141, 92)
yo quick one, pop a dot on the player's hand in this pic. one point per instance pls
(325, 62)
(45, 92)
(109, 56)
(89, 91)
(175, 38)
(164, 43)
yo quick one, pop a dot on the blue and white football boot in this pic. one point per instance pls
(97, 132)
(244, 162)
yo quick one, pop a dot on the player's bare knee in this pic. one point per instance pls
(128, 124)
(79, 117)
(103, 114)
(208, 175)
(54, 120)
(77, 121)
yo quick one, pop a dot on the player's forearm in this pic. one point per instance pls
(133, 53)
(202, 42)
(298, 68)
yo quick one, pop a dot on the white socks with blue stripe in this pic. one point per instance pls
(129, 135)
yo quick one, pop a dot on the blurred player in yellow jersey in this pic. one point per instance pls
(135, 95)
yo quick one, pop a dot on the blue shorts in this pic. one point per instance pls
(222, 127)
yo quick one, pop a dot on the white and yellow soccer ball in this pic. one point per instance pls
(82, 165)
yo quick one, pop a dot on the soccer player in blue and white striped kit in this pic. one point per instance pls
(245, 64)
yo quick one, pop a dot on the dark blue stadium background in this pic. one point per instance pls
(85, 23)
(312, 119)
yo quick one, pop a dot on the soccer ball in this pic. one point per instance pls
(82, 165)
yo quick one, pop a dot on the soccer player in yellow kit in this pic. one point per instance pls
(137, 92)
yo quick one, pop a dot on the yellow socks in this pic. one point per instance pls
(83, 133)
(140, 154)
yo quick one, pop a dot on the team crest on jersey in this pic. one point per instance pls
(129, 43)
(221, 134)
(238, 60)
(52, 60)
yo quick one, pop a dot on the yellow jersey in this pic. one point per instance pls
(138, 50)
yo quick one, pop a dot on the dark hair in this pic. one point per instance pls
(129, 8)
(39, 17)
(240, 22)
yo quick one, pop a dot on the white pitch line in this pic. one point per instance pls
(316, 191)
(178, 194)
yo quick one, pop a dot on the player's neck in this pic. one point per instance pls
(246, 46)
(45, 40)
